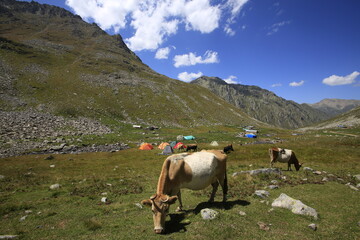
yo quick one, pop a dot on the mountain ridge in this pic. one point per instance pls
(262, 104)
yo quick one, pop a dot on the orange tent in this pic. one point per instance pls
(179, 144)
(163, 145)
(146, 146)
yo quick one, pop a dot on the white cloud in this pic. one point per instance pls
(276, 85)
(153, 21)
(335, 80)
(297, 84)
(162, 53)
(191, 59)
(187, 77)
(234, 6)
(276, 27)
(231, 80)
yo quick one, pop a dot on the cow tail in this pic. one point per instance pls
(225, 184)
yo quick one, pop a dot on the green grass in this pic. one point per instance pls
(75, 210)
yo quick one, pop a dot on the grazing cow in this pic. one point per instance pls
(284, 156)
(228, 148)
(194, 171)
(191, 147)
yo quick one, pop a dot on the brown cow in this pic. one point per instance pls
(284, 156)
(194, 171)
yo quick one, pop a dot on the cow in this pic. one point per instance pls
(191, 147)
(194, 171)
(228, 148)
(284, 156)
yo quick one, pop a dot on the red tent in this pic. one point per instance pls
(179, 144)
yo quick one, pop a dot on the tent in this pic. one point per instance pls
(189, 137)
(163, 145)
(173, 143)
(178, 145)
(214, 143)
(168, 150)
(250, 135)
(146, 146)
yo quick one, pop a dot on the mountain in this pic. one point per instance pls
(334, 107)
(55, 63)
(262, 104)
(349, 119)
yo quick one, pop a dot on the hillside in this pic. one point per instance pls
(54, 62)
(349, 119)
(262, 104)
(333, 107)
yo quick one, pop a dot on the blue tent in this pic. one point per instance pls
(189, 137)
(250, 135)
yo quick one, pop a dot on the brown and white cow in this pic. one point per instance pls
(194, 171)
(284, 156)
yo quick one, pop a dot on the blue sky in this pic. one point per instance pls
(302, 50)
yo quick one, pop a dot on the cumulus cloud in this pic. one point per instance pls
(231, 79)
(335, 80)
(162, 53)
(276, 27)
(191, 59)
(153, 21)
(297, 84)
(187, 77)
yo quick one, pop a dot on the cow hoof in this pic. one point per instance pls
(179, 209)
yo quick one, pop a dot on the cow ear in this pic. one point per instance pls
(172, 199)
(146, 202)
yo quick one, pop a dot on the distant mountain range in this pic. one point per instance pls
(54, 62)
(334, 107)
(263, 104)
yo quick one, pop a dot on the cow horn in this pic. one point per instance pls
(167, 199)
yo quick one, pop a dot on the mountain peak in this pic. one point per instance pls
(216, 80)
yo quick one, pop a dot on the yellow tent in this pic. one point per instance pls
(163, 145)
(146, 146)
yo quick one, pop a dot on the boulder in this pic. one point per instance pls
(261, 193)
(296, 206)
(357, 177)
(209, 214)
(313, 226)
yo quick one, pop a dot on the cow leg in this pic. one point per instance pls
(271, 164)
(215, 186)
(179, 208)
(289, 166)
(224, 186)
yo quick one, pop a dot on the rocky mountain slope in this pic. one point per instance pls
(333, 106)
(350, 119)
(262, 104)
(54, 62)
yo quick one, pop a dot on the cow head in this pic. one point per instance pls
(298, 166)
(160, 205)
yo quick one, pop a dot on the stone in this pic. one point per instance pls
(104, 199)
(274, 182)
(313, 226)
(23, 218)
(260, 171)
(273, 186)
(139, 205)
(357, 177)
(208, 214)
(353, 187)
(242, 213)
(2, 176)
(261, 193)
(317, 172)
(8, 236)
(263, 226)
(308, 169)
(296, 206)
(55, 186)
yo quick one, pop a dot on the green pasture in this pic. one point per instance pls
(75, 210)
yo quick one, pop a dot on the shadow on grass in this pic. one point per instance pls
(176, 225)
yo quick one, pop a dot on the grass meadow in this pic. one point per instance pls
(31, 210)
